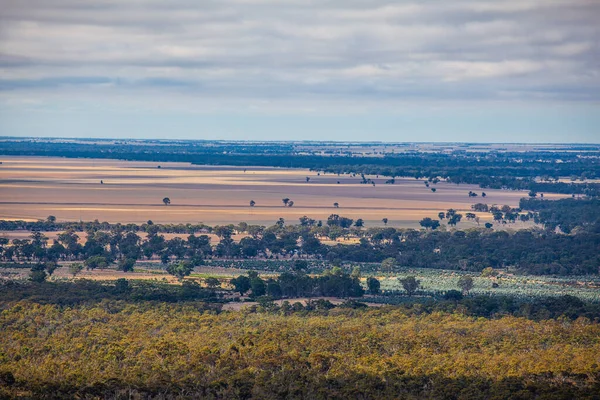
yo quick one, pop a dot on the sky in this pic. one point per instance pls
(356, 70)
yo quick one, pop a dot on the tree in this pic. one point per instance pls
(359, 223)
(441, 215)
(465, 283)
(385, 221)
(305, 221)
(489, 225)
(300, 265)
(290, 203)
(37, 275)
(481, 207)
(126, 264)
(51, 219)
(388, 264)
(336, 205)
(453, 295)
(374, 285)
(241, 284)
(429, 223)
(483, 194)
(532, 194)
(258, 286)
(433, 190)
(212, 282)
(167, 201)
(355, 273)
(180, 269)
(410, 284)
(75, 269)
(285, 201)
(252, 203)
(96, 262)
(455, 219)
(307, 179)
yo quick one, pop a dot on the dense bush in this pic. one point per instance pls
(116, 349)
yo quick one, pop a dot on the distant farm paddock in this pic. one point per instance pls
(33, 188)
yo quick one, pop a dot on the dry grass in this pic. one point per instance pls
(33, 188)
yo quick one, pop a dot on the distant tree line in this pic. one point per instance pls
(566, 214)
(528, 251)
(334, 282)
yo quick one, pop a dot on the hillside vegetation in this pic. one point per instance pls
(123, 349)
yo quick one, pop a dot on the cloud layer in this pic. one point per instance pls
(267, 55)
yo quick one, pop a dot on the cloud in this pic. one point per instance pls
(299, 52)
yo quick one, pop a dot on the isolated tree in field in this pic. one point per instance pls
(433, 190)
(385, 221)
(489, 225)
(373, 285)
(307, 179)
(483, 194)
(291, 203)
(441, 215)
(212, 282)
(180, 269)
(285, 201)
(167, 201)
(75, 269)
(465, 283)
(388, 264)
(336, 205)
(252, 203)
(429, 223)
(51, 219)
(410, 284)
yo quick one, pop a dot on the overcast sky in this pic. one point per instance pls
(473, 70)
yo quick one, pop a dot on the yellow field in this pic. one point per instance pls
(32, 188)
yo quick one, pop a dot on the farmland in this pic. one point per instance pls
(71, 189)
(433, 282)
(144, 278)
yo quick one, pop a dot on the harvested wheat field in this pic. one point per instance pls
(32, 188)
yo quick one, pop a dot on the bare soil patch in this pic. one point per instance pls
(32, 188)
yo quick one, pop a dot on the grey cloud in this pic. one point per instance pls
(375, 50)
